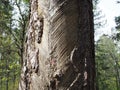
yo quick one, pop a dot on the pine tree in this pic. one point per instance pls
(59, 46)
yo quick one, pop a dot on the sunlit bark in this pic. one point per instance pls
(59, 48)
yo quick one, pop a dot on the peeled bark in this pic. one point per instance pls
(59, 46)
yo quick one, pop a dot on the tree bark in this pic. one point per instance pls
(59, 46)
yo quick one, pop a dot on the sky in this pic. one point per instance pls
(109, 9)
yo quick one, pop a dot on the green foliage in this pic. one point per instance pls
(107, 64)
(117, 35)
(117, 20)
(26, 1)
(12, 31)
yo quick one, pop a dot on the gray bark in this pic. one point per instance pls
(59, 47)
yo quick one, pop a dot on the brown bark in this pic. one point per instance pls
(59, 49)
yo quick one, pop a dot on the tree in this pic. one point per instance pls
(99, 20)
(116, 36)
(107, 58)
(12, 32)
(19, 24)
(7, 47)
(59, 46)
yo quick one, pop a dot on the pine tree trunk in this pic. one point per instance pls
(59, 46)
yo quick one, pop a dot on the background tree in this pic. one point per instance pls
(12, 30)
(107, 59)
(99, 20)
(116, 36)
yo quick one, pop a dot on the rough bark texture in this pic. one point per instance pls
(59, 47)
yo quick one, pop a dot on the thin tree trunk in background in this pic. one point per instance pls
(59, 46)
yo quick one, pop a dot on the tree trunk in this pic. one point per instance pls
(59, 46)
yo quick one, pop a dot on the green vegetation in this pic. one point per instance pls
(13, 19)
(107, 64)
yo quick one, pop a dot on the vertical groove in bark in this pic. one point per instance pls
(59, 49)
